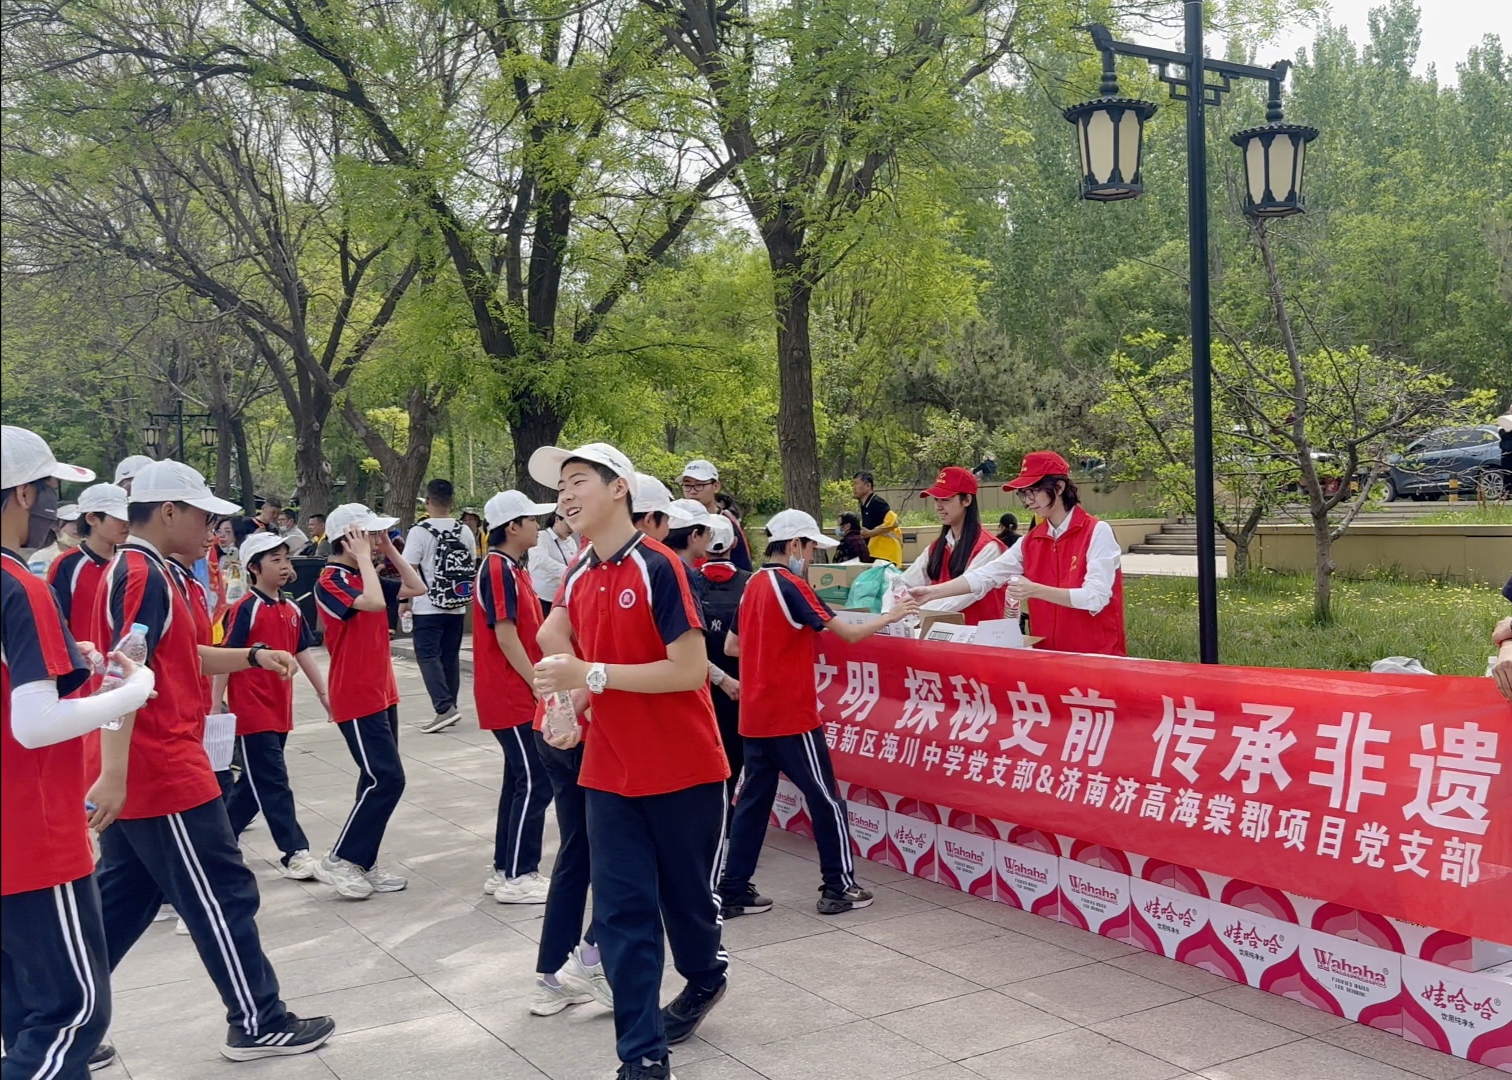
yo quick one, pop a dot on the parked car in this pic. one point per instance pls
(1471, 455)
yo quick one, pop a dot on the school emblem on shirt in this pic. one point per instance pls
(627, 598)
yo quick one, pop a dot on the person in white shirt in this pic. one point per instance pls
(963, 546)
(554, 550)
(1066, 568)
(432, 548)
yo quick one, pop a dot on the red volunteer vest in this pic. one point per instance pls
(1062, 564)
(992, 606)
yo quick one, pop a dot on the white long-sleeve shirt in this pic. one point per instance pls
(1092, 595)
(549, 560)
(918, 574)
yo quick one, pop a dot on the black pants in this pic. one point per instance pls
(523, 799)
(567, 898)
(56, 980)
(374, 744)
(264, 789)
(438, 643)
(192, 860)
(727, 713)
(806, 761)
(655, 854)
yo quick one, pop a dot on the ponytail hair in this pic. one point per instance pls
(960, 555)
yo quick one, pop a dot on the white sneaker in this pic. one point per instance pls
(550, 1000)
(181, 930)
(301, 866)
(164, 913)
(586, 979)
(526, 889)
(493, 882)
(385, 881)
(347, 877)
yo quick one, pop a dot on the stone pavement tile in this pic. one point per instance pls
(972, 1025)
(1274, 1009)
(888, 903)
(322, 974)
(158, 957)
(1042, 929)
(881, 873)
(1011, 957)
(782, 923)
(722, 1067)
(761, 1008)
(470, 986)
(857, 1051)
(798, 960)
(1195, 1033)
(899, 983)
(945, 1072)
(1394, 1050)
(933, 891)
(302, 1067)
(1075, 1055)
(1306, 1059)
(927, 931)
(373, 1005)
(1172, 972)
(454, 940)
(577, 1042)
(1092, 994)
(451, 1046)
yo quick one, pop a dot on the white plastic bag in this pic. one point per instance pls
(220, 739)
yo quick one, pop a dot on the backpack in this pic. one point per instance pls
(451, 582)
(721, 599)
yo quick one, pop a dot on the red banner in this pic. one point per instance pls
(1383, 793)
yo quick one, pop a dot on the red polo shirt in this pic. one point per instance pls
(362, 670)
(262, 700)
(168, 770)
(75, 578)
(503, 592)
(43, 832)
(776, 622)
(626, 610)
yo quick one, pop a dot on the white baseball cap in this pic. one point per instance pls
(796, 525)
(509, 506)
(701, 470)
(723, 534)
(68, 512)
(651, 495)
(546, 463)
(103, 499)
(686, 513)
(173, 481)
(260, 543)
(129, 467)
(348, 514)
(26, 457)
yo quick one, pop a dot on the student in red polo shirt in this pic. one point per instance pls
(653, 770)
(163, 826)
(506, 618)
(961, 546)
(1066, 568)
(773, 635)
(354, 604)
(263, 704)
(57, 975)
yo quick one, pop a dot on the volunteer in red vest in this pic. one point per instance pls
(57, 976)
(1066, 568)
(961, 546)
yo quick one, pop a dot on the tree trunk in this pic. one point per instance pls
(312, 473)
(243, 463)
(796, 438)
(224, 450)
(1323, 570)
(537, 424)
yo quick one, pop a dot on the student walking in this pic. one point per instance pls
(506, 619)
(353, 602)
(653, 770)
(264, 704)
(163, 826)
(961, 546)
(444, 551)
(773, 635)
(56, 967)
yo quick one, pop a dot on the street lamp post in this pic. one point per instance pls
(152, 435)
(1109, 137)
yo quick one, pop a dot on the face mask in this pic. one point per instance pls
(44, 517)
(795, 564)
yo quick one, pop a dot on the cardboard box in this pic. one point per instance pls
(868, 830)
(789, 810)
(1096, 898)
(1357, 981)
(1027, 878)
(1164, 918)
(929, 619)
(1448, 948)
(1467, 1014)
(912, 832)
(965, 861)
(1254, 946)
(836, 575)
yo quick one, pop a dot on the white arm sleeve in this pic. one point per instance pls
(39, 718)
(985, 557)
(983, 579)
(916, 575)
(1103, 556)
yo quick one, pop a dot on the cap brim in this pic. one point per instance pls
(379, 524)
(820, 539)
(1021, 482)
(63, 471)
(546, 465)
(214, 504)
(940, 493)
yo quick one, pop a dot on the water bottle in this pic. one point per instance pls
(561, 718)
(897, 593)
(406, 623)
(134, 648)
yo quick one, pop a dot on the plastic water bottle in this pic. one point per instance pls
(897, 593)
(134, 648)
(406, 622)
(561, 718)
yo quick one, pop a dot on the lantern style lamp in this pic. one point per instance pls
(151, 435)
(1273, 158)
(209, 436)
(1110, 140)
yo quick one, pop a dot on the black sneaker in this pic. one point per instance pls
(686, 1011)
(833, 903)
(103, 1057)
(634, 1070)
(296, 1036)
(746, 902)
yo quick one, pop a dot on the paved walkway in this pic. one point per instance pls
(1134, 564)
(928, 984)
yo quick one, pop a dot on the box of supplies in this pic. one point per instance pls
(824, 576)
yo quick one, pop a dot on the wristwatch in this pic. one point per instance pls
(252, 655)
(598, 679)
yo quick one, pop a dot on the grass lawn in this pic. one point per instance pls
(1481, 515)
(1266, 622)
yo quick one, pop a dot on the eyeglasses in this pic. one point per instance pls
(696, 485)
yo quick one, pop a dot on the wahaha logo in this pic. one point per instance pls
(1096, 892)
(1170, 913)
(1339, 966)
(1033, 873)
(1459, 1001)
(865, 823)
(910, 838)
(956, 851)
(1239, 934)
(787, 799)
